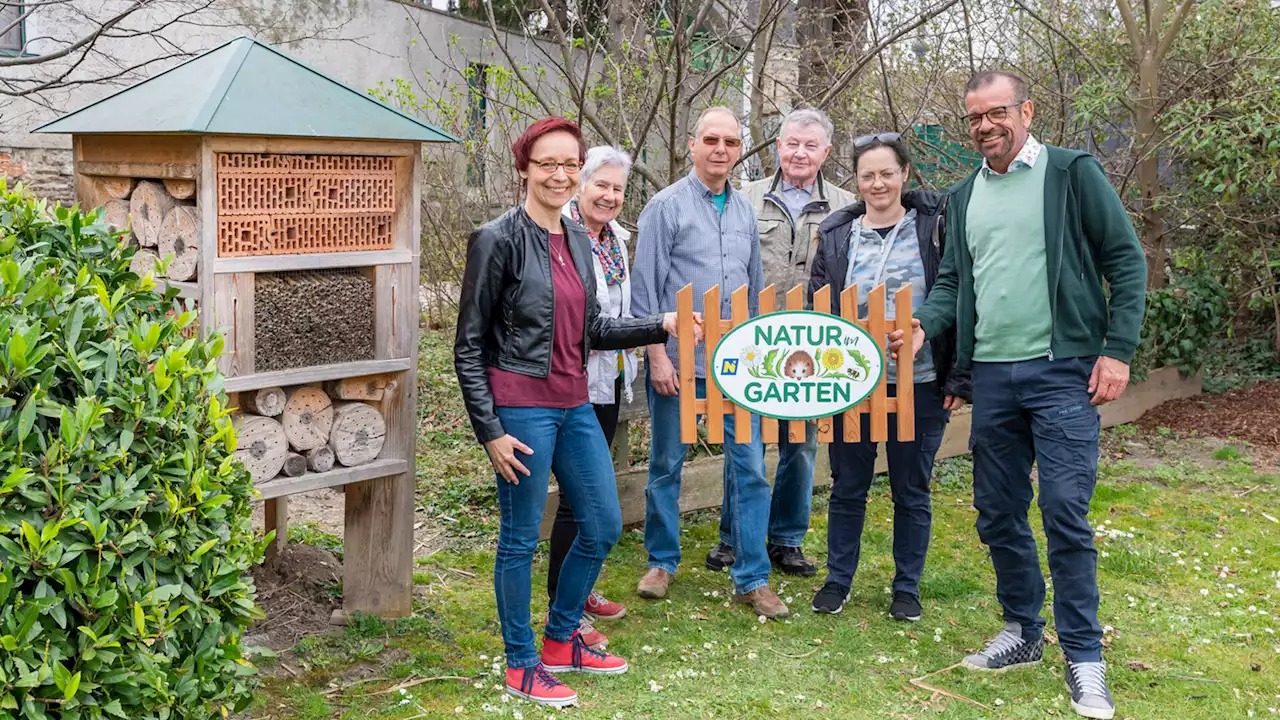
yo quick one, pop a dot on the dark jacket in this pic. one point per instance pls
(831, 266)
(506, 313)
(1088, 238)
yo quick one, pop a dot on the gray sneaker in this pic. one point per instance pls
(1090, 698)
(1007, 650)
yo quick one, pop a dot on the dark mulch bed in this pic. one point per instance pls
(1251, 414)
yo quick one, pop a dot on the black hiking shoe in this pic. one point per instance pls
(905, 606)
(830, 599)
(721, 558)
(791, 561)
(1007, 650)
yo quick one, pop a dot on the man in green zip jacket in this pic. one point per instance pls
(1035, 232)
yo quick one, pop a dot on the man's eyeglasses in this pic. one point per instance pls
(995, 114)
(729, 142)
(571, 167)
(886, 137)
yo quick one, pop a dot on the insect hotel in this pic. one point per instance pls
(284, 207)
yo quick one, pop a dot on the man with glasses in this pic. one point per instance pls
(789, 207)
(701, 231)
(1035, 232)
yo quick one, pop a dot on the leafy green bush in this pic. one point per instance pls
(125, 530)
(1183, 324)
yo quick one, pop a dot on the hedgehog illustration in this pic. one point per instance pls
(799, 366)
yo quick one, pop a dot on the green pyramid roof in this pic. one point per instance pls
(245, 87)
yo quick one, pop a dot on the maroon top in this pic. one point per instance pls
(566, 386)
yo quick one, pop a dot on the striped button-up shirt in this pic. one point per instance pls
(684, 240)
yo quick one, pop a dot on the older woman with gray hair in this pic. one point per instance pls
(609, 372)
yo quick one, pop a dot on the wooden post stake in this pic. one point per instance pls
(688, 385)
(852, 416)
(906, 367)
(768, 425)
(741, 417)
(715, 399)
(879, 398)
(795, 301)
(822, 303)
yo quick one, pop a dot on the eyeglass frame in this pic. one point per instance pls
(885, 137)
(557, 165)
(987, 115)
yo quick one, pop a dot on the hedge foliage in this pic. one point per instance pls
(125, 530)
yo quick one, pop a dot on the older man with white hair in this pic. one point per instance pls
(789, 207)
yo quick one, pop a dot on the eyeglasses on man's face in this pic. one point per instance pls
(997, 114)
(571, 167)
(729, 142)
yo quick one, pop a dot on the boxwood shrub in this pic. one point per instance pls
(125, 531)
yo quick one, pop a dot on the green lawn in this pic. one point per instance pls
(1189, 569)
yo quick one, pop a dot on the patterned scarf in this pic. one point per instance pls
(606, 248)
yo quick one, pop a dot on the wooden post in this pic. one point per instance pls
(880, 397)
(795, 301)
(768, 425)
(275, 516)
(822, 303)
(905, 407)
(852, 416)
(715, 400)
(741, 417)
(688, 384)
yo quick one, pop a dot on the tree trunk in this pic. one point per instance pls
(1148, 165)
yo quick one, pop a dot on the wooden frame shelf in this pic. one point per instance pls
(312, 261)
(317, 373)
(283, 486)
(186, 290)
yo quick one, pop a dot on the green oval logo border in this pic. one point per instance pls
(825, 316)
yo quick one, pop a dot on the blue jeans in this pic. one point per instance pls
(571, 444)
(792, 501)
(748, 490)
(1038, 411)
(853, 467)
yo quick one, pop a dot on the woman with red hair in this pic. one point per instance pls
(527, 321)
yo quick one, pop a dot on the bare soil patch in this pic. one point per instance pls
(1251, 414)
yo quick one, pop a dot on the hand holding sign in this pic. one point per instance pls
(917, 339)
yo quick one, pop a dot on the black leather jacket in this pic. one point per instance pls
(506, 313)
(831, 265)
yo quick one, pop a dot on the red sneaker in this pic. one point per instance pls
(590, 635)
(576, 656)
(601, 608)
(537, 685)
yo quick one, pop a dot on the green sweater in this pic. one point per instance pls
(1088, 238)
(1010, 266)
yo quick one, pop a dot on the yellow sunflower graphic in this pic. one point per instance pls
(832, 359)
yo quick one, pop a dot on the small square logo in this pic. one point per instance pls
(729, 366)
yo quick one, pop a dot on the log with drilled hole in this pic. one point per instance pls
(294, 464)
(308, 418)
(180, 237)
(117, 188)
(148, 206)
(116, 214)
(320, 459)
(361, 388)
(180, 189)
(261, 446)
(268, 402)
(358, 433)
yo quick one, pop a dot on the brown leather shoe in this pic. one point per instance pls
(654, 584)
(764, 602)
